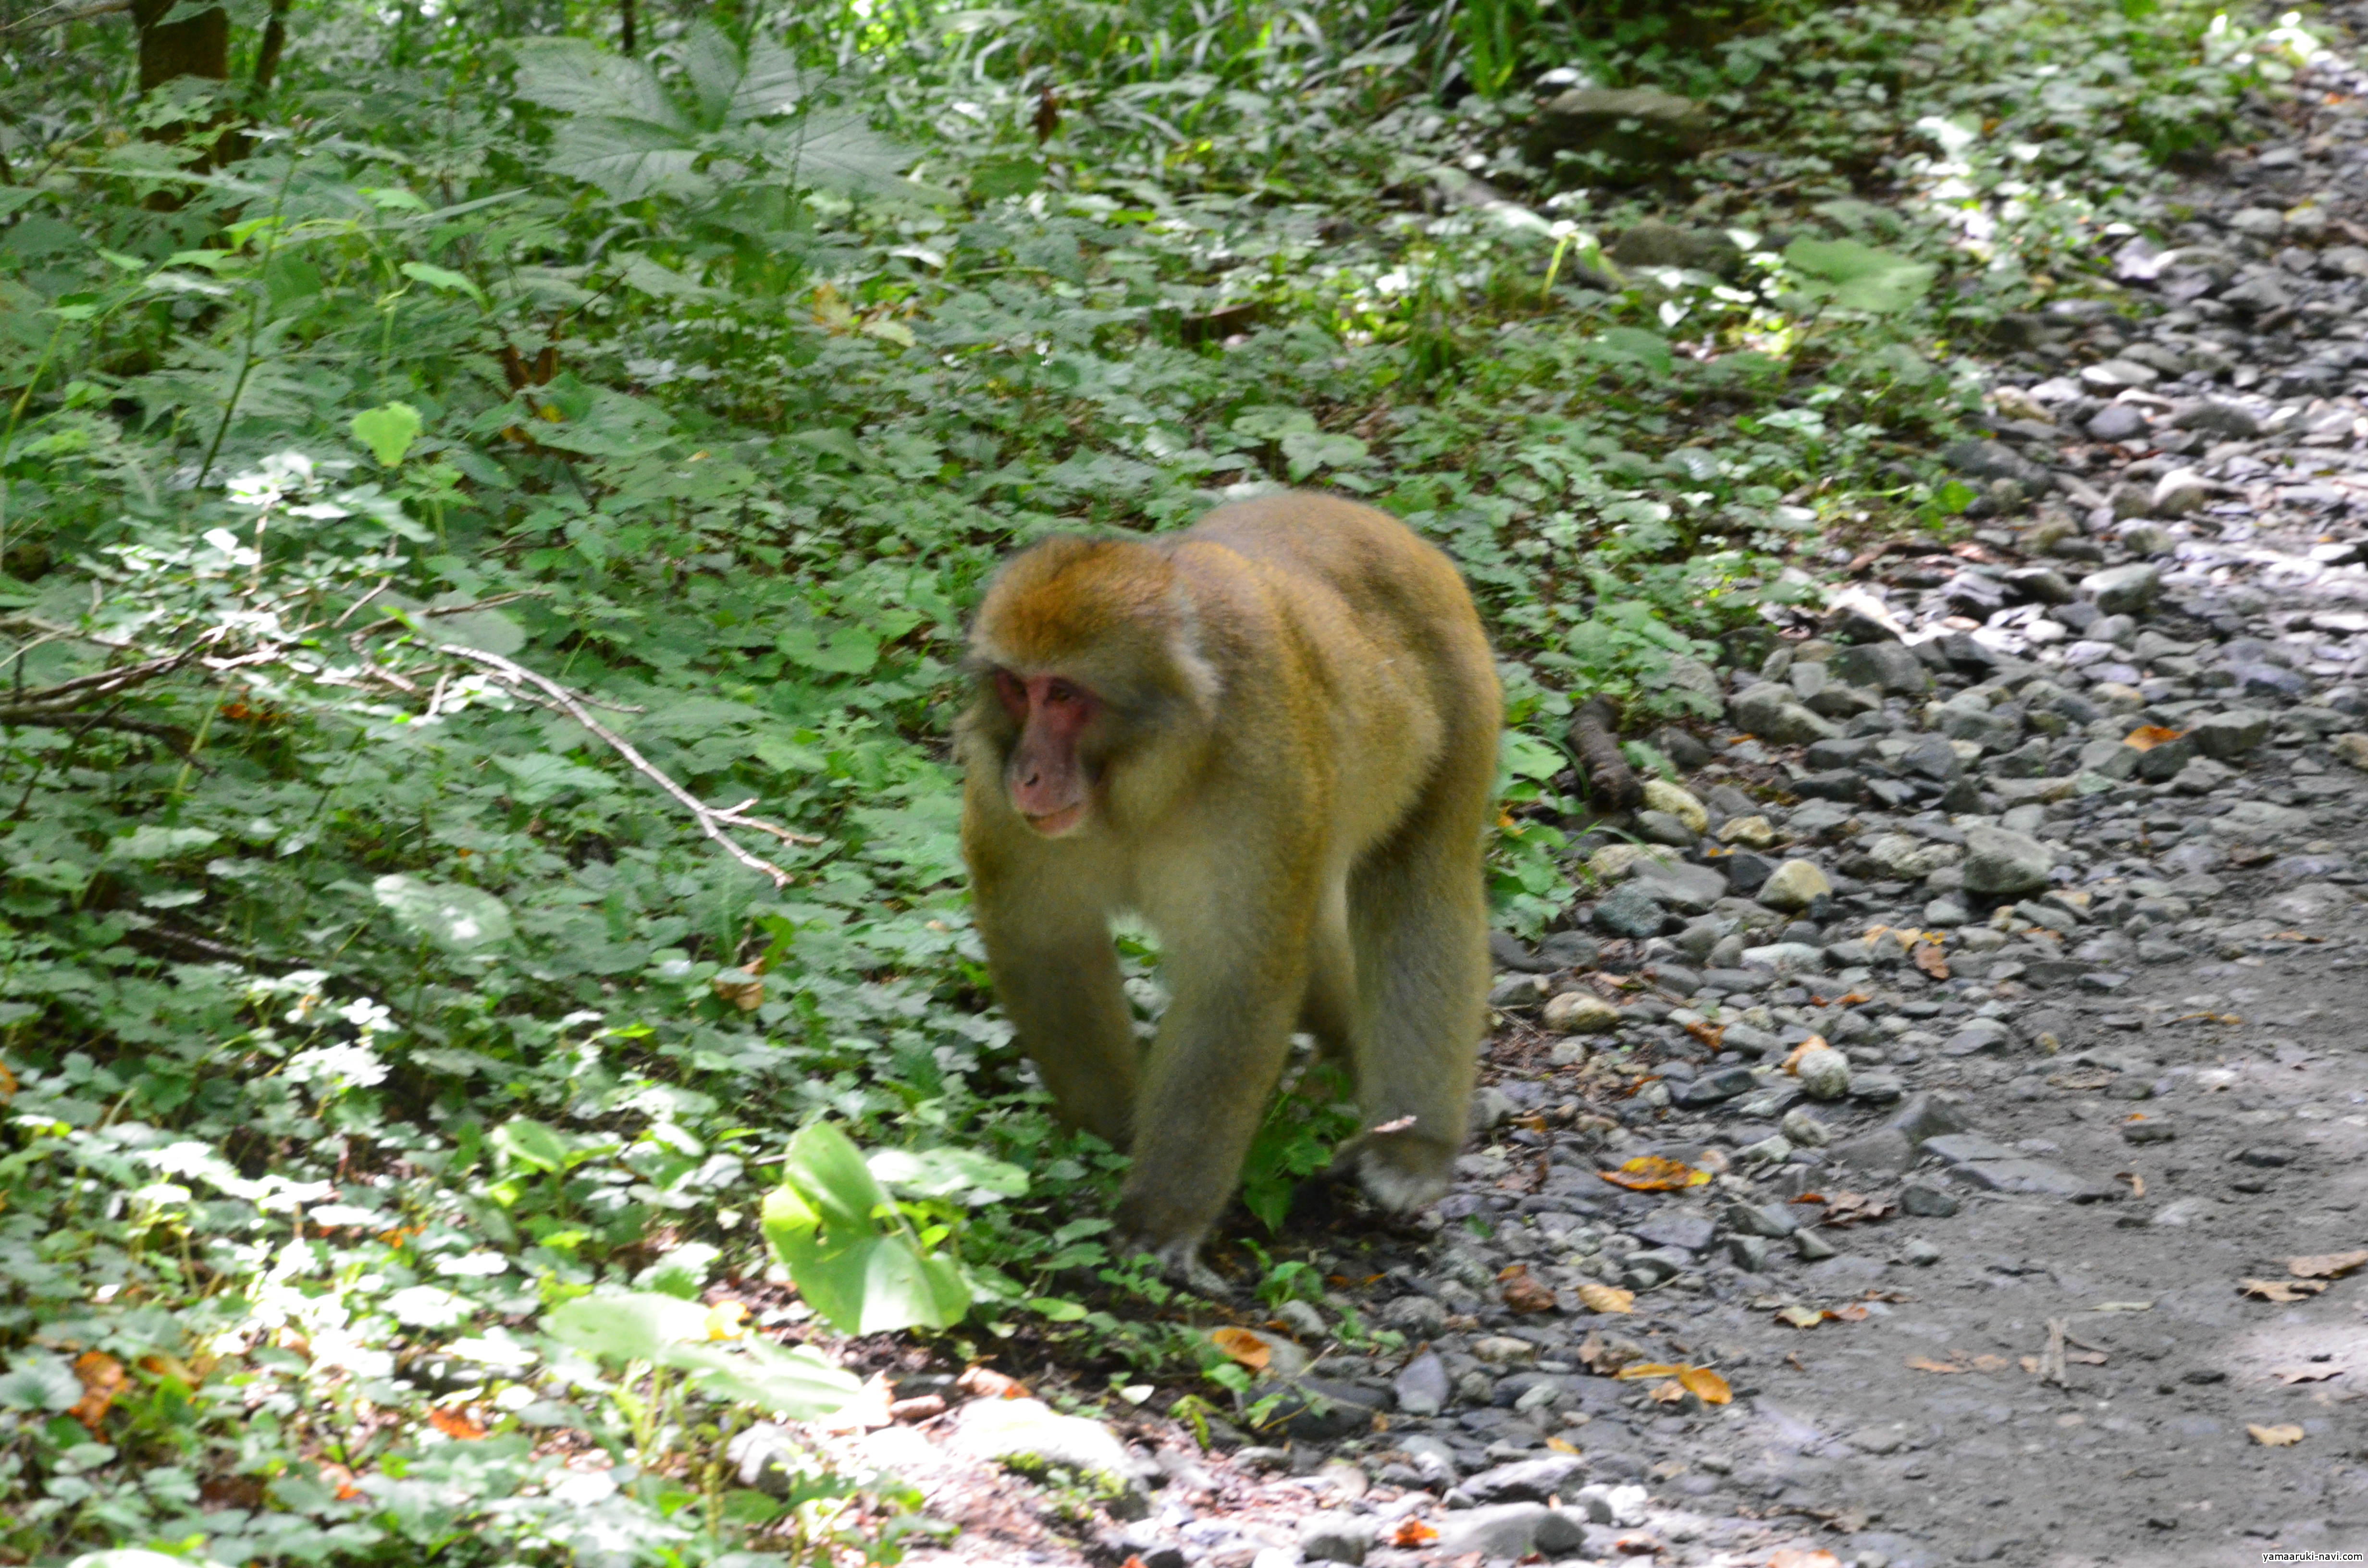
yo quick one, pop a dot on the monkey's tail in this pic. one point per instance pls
(1594, 733)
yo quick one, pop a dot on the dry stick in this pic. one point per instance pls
(1611, 783)
(2050, 1366)
(710, 820)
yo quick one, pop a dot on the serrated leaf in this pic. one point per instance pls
(626, 158)
(579, 77)
(37, 1381)
(152, 842)
(1860, 277)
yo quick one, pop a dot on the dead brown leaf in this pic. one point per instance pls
(2318, 1372)
(1412, 1532)
(1995, 1363)
(1606, 1298)
(1926, 1364)
(102, 1379)
(1801, 1317)
(1524, 1292)
(2281, 1289)
(2283, 1436)
(1706, 1385)
(1930, 958)
(1708, 1033)
(2326, 1264)
(2146, 737)
(2137, 1182)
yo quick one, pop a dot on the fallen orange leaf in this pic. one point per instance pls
(988, 1383)
(1606, 1298)
(1655, 1173)
(7, 1082)
(1928, 958)
(1560, 1447)
(2146, 737)
(1412, 1532)
(1926, 1364)
(1706, 1385)
(2278, 1436)
(457, 1424)
(1243, 1347)
(2326, 1266)
(341, 1478)
(1637, 1372)
(2281, 1289)
(102, 1379)
(1850, 1314)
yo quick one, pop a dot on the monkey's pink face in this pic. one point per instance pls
(1047, 783)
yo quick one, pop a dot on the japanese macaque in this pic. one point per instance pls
(1273, 737)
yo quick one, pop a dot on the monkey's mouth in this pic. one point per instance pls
(1058, 824)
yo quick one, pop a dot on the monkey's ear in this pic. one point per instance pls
(1203, 685)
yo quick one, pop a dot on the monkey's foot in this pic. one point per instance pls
(1395, 1187)
(1179, 1264)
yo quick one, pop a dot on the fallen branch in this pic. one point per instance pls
(548, 693)
(1611, 784)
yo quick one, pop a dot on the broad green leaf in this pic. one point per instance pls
(943, 1172)
(639, 1326)
(1530, 758)
(1005, 176)
(1270, 422)
(450, 915)
(1860, 277)
(441, 277)
(537, 778)
(153, 843)
(1634, 345)
(797, 1384)
(387, 432)
(627, 158)
(531, 1144)
(488, 631)
(850, 1254)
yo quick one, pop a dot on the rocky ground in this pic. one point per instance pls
(1985, 998)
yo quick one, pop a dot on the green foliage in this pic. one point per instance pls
(1307, 1120)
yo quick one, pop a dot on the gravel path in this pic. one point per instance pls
(1995, 981)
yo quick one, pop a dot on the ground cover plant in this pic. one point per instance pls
(488, 506)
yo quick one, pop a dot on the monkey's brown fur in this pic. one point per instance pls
(1286, 771)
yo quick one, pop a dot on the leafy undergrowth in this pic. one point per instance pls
(413, 472)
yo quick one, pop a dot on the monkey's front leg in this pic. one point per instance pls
(1211, 1075)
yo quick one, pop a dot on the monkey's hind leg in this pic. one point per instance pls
(1421, 928)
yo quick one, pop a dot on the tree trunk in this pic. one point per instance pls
(275, 44)
(199, 46)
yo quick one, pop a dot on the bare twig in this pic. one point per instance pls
(65, 11)
(172, 735)
(711, 820)
(2051, 1365)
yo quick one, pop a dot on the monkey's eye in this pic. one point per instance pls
(1062, 691)
(1012, 692)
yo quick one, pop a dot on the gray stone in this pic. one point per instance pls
(1503, 1529)
(2178, 492)
(1421, 1385)
(2124, 590)
(1769, 710)
(2260, 819)
(1996, 460)
(1029, 1429)
(1927, 1201)
(1652, 243)
(2032, 1178)
(1630, 124)
(1713, 1088)
(1825, 1074)
(1931, 757)
(1882, 666)
(1795, 885)
(1772, 1220)
(1749, 1253)
(1418, 1317)
(1627, 912)
(1677, 1227)
(2217, 418)
(1895, 1145)
(1979, 1037)
(1998, 861)
(1784, 958)
(1336, 1538)
(1678, 885)
(1660, 827)
(2118, 422)
(1525, 1480)
(2229, 735)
